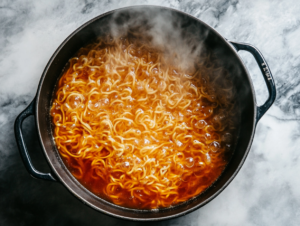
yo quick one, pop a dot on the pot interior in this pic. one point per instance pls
(141, 18)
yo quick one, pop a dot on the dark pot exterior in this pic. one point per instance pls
(40, 108)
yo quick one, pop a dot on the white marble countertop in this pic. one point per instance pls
(266, 191)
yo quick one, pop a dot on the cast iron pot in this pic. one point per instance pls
(225, 50)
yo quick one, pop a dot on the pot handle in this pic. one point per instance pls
(22, 146)
(261, 110)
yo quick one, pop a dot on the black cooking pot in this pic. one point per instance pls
(190, 26)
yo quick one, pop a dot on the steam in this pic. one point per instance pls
(180, 40)
(184, 44)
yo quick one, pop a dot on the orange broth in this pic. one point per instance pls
(140, 133)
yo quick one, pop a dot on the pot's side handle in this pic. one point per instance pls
(261, 110)
(22, 146)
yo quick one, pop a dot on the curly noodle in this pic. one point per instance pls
(138, 132)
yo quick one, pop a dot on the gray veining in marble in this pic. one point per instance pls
(267, 189)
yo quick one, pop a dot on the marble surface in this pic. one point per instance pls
(267, 189)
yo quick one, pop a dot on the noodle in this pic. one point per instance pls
(139, 132)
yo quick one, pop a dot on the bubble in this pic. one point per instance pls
(214, 146)
(207, 136)
(228, 146)
(138, 132)
(189, 162)
(146, 141)
(138, 160)
(155, 71)
(219, 118)
(227, 137)
(166, 179)
(163, 151)
(131, 100)
(104, 101)
(139, 110)
(201, 124)
(213, 97)
(189, 112)
(178, 143)
(125, 165)
(196, 110)
(128, 107)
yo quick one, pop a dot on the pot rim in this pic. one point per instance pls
(54, 55)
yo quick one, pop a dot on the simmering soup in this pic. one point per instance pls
(139, 131)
